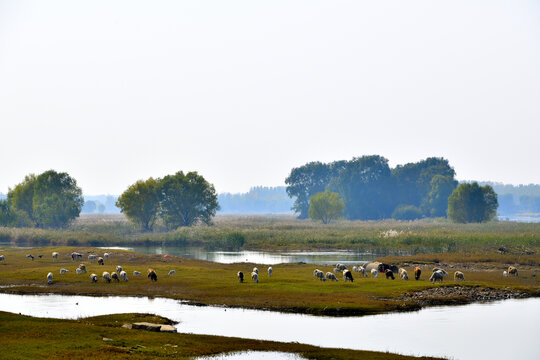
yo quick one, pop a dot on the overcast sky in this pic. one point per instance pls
(243, 91)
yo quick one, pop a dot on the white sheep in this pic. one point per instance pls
(355, 268)
(93, 278)
(255, 277)
(118, 269)
(374, 273)
(83, 268)
(341, 267)
(106, 255)
(255, 270)
(92, 257)
(107, 276)
(270, 271)
(403, 274)
(78, 271)
(63, 271)
(123, 275)
(49, 278)
(55, 255)
(362, 271)
(2, 257)
(319, 275)
(505, 273)
(458, 275)
(172, 272)
(136, 273)
(330, 276)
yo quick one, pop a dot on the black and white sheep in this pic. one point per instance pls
(118, 269)
(49, 278)
(55, 255)
(152, 275)
(441, 270)
(75, 255)
(389, 274)
(319, 274)
(114, 276)
(437, 276)
(172, 272)
(512, 271)
(83, 268)
(106, 255)
(78, 271)
(270, 271)
(63, 271)
(341, 267)
(2, 257)
(100, 261)
(347, 276)
(240, 276)
(255, 270)
(106, 276)
(123, 275)
(92, 257)
(93, 278)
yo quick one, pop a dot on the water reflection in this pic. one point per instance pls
(473, 331)
(250, 355)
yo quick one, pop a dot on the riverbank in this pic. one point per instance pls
(25, 337)
(291, 288)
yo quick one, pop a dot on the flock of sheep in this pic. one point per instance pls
(116, 275)
(254, 274)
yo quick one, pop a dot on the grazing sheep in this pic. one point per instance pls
(49, 278)
(319, 275)
(505, 273)
(240, 276)
(63, 271)
(93, 278)
(255, 277)
(55, 255)
(40, 256)
(360, 269)
(417, 273)
(106, 255)
(403, 274)
(336, 270)
(123, 275)
(341, 267)
(437, 276)
(270, 271)
(92, 257)
(78, 271)
(75, 255)
(83, 268)
(100, 261)
(107, 276)
(441, 270)
(512, 271)
(347, 275)
(118, 269)
(255, 270)
(2, 257)
(152, 275)
(389, 274)
(114, 276)
(355, 268)
(374, 273)
(136, 273)
(172, 272)
(502, 250)
(458, 275)
(30, 256)
(331, 276)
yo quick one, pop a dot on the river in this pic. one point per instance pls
(500, 330)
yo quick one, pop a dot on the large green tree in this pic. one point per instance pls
(51, 199)
(365, 185)
(309, 179)
(326, 206)
(140, 203)
(187, 199)
(436, 203)
(472, 203)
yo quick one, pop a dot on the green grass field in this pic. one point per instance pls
(292, 287)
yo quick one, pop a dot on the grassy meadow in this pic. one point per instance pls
(291, 288)
(26, 337)
(387, 237)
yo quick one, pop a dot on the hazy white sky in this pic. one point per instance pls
(242, 91)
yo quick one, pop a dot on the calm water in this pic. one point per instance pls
(250, 355)
(500, 330)
(257, 257)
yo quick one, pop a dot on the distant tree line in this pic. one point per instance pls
(516, 199)
(371, 190)
(100, 204)
(258, 200)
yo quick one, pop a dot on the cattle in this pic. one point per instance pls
(417, 273)
(152, 275)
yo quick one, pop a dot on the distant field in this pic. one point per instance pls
(288, 233)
